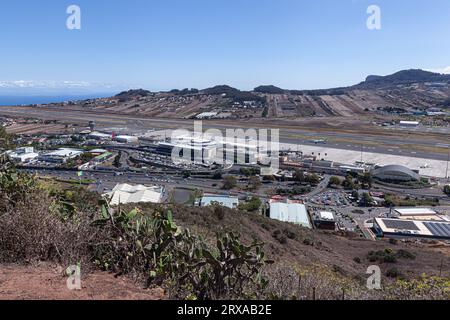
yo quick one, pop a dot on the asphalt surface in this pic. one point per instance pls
(129, 123)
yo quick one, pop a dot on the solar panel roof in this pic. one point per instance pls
(401, 225)
(438, 229)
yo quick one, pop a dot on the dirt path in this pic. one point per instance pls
(47, 283)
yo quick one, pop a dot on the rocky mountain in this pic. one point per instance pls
(405, 77)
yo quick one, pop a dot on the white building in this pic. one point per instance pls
(290, 211)
(224, 201)
(127, 139)
(125, 193)
(60, 155)
(206, 115)
(409, 123)
(209, 149)
(100, 136)
(415, 212)
(24, 154)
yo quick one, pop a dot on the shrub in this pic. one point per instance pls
(37, 226)
(384, 256)
(229, 182)
(393, 273)
(153, 246)
(405, 254)
(393, 241)
(289, 234)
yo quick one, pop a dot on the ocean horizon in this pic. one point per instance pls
(11, 100)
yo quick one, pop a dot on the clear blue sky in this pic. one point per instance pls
(164, 44)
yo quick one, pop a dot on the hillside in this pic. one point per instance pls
(69, 225)
(405, 77)
(292, 245)
(408, 91)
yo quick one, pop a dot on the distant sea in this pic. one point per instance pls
(26, 100)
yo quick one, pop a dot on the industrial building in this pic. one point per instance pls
(224, 201)
(325, 220)
(409, 124)
(420, 214)
(60, 155)
(24, 154)
(395, 173)
(125, 193)
(398, 228)
(290, 211)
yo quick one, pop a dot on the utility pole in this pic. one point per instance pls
(448, 161)
(362, 146)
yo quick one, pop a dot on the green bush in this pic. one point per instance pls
(154, 246)
(393, 273)
(405, 254)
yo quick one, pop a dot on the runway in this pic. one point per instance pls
(414, 146)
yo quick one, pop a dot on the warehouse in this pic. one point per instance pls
(325, 220)
(290, 211)
(409, 124)
(23, 155)
(60, 155)
(125, 193)
(224, 201)
(420, 214)
(415, 212)
(397, 228)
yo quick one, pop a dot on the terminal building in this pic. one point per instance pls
(210, 150)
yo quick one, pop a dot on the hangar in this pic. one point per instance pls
(395, 173)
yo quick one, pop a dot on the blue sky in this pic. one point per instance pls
(164, 44)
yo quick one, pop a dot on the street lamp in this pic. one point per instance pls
(448, 161)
